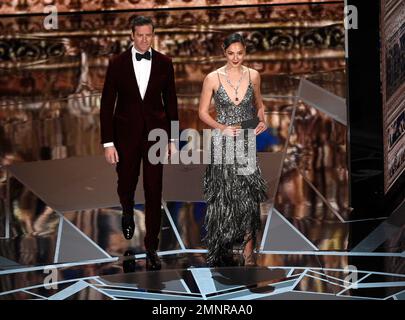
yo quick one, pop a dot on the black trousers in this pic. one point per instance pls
(128, 169)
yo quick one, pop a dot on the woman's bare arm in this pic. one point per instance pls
(258, 96)
(205, 102)
(259, 101)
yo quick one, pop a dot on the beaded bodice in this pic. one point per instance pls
(228, 112)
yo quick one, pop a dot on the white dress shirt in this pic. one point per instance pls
(142, 73)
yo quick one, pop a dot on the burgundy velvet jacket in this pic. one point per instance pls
(124, 116)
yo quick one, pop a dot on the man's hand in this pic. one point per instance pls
(111, 155)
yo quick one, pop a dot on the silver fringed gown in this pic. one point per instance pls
(233, 196)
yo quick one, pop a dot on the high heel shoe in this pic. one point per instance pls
(250, 260)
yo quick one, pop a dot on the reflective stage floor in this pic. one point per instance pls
(63, 251)
(60, 223)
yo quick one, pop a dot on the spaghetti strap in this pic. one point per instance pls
(219, 79)
(249, 73)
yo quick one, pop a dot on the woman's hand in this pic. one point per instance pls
(231, 131)
(260, 128)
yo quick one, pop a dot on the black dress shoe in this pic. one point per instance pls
(152, 260)
(128, 225)
(129, 264)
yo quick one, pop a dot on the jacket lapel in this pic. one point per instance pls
(132, 78)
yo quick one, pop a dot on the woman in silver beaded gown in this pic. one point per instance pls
(233, 190)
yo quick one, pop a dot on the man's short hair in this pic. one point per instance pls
(141, 21)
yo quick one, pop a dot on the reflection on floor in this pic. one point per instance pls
(62, 239)
(83, 255)
(185, 277)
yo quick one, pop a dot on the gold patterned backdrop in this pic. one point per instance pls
(50, 83)
(38, 6)
(50, 80)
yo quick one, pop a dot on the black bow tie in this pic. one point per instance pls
(145, 55)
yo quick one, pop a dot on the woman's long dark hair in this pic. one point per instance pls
(233, 38)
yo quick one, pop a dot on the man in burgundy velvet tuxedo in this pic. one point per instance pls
(140, 85)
